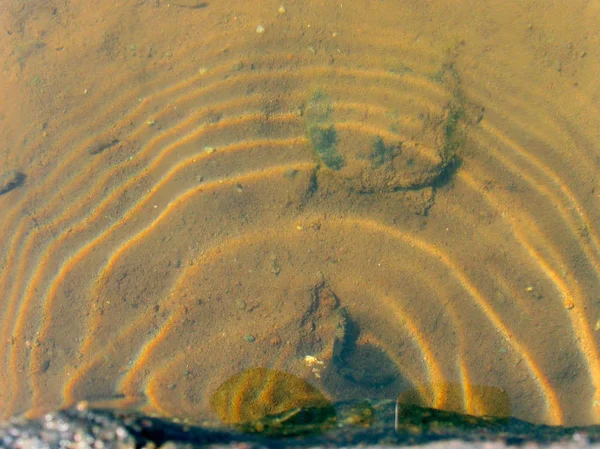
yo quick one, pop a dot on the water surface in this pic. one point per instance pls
(385, 199)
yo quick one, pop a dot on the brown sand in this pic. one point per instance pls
(173, 210)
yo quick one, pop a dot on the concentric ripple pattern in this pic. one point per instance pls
(335, 195)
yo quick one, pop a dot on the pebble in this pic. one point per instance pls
(249, 338)
(101, 146)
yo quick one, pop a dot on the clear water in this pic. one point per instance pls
(384, 199)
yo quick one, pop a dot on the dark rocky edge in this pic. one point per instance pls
(405, 426)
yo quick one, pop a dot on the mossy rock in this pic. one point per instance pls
(413, 145)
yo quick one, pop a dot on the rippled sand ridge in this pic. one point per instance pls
(384, 199)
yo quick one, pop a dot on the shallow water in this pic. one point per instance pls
(407, 193)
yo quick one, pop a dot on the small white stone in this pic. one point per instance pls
(260, 29)
(311, 360)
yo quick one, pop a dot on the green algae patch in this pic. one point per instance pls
(382, 153)
(324, 142)
(321, 131)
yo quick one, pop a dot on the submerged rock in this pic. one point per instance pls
(406, 147)
(271, 402)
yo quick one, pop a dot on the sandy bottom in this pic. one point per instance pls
(404, 192)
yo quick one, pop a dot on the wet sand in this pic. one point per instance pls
(183, 210)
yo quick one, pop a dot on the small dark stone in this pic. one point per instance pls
(45, 366)
(10, 180)
(99, 147)
(190, 4)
